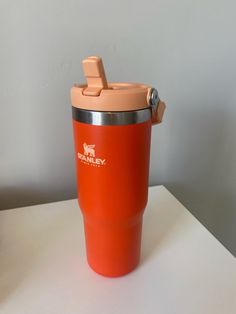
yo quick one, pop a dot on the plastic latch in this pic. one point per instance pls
(157, 106)
(95, 76)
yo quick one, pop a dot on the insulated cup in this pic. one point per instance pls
(112, 129)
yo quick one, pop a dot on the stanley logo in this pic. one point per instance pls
(89, 158)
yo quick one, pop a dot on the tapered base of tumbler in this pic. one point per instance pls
(113, 250)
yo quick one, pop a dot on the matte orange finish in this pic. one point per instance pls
(112, 165)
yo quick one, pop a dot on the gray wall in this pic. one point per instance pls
(185, 48)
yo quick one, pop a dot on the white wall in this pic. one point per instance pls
(184, 48)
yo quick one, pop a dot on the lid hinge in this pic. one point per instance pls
(157, 106)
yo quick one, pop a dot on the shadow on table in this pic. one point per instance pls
(14, 197)
(157, 226)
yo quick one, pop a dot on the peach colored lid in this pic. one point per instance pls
(99, 95)
(119, 97)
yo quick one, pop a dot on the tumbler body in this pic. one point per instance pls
(112, 168)
(112, 129)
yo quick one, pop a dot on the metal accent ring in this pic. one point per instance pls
(111, 117)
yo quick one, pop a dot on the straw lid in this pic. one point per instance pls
(98, 95)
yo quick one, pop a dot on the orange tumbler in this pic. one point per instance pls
(112, 131)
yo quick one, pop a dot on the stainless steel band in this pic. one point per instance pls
(111, 117)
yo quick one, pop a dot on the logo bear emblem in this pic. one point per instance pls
(89, 150)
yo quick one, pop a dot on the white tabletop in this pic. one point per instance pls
(43, 268)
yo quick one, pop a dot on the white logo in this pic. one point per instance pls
(89, 150)
(88, 157)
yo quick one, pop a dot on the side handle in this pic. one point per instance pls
(157, 106)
